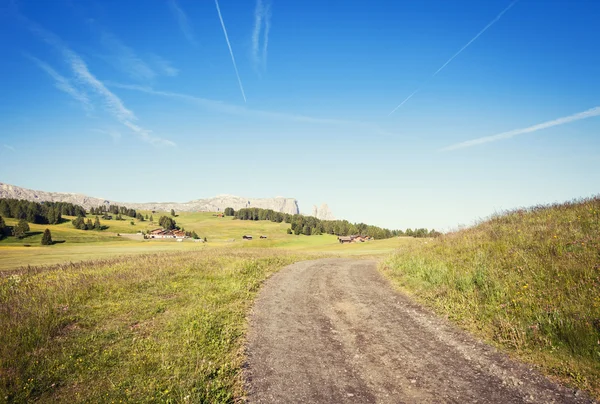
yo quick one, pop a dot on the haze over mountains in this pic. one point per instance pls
(214, 204)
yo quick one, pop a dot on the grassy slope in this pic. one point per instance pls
(528, 281)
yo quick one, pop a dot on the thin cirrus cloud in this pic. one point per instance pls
(183, 22)
(63, 84)
(230, 50)
(495, 20)
(507, 135)
(262, 23)
(226, 108)
(125, 59)
(111, 102)
(164, 66)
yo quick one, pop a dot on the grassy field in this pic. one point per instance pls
(151, 328)
(78, 245)
(527, 281)
(159, 320)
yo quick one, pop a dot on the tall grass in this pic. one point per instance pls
(154, 328)
(527, 280)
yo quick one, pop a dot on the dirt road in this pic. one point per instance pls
(334, 331)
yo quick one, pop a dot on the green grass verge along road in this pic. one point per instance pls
(151, 328)
(528, 281)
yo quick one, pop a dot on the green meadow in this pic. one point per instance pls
(105, 316)
(74, 245)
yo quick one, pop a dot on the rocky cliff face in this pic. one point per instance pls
(216, 204)
(323, 212)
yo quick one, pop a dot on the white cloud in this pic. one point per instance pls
(111, 102)
(262, 18)
(223, 107)
(125, 59)
(164, 66)
(183, 22)
(507, 135)
(63, 84)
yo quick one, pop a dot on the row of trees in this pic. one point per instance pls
(308, 225)
(117, 210)
(39, 213)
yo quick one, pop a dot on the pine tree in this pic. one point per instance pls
(172, 212)
(97, 225)
(47, 238)
(21, 228)
(3, 228)
(89, 225)
(151, 218)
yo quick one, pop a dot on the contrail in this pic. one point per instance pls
(230, 51)
(460, 51)
(507, 135)
(476, 36)
(406, 99)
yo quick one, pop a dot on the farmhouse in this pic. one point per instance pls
(354, 239)
(160, 233)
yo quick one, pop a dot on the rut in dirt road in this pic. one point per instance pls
(334, 331)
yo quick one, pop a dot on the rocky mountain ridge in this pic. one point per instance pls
(214, 204)
(323, 212)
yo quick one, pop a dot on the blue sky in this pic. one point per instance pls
(142, 101)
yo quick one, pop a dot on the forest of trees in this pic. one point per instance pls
(308, 225)
(38, 213)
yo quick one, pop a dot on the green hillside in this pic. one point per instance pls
(528, 280)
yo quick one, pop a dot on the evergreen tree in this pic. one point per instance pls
(229, 212)
(89, 225)
(97, 225)
(146, 216)
(151, 218)
(3, 229)
(172, 212)
(21, 228)
(167, 223)
(47, 238)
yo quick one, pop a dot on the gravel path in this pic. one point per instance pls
(334, 331)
